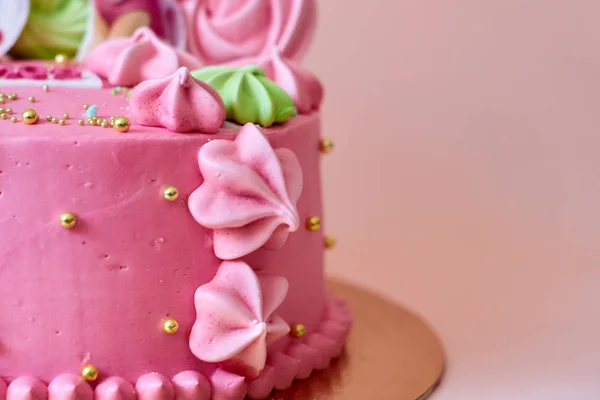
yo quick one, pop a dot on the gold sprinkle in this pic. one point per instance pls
(14, 119)
(46, 88)
(2, 101)
(329, 242)
(66, 116)
(121, 124)
(54, 120)
(170, 193)
(170, 326)
(2, 110)
(9, 111)
(68, 220)
(12, 96)
(3, 116)
(62, 122)
(326, 146)
(313, 224)
(89, 373)
(105, 124)
(61, 59)
(31, 99)
(81, 122)
(297, 330)
(49, 117)
(86, 106)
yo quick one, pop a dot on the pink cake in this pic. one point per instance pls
(148, 247)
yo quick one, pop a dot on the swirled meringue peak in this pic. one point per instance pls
(303, 87)
(249, 194)
(179, 103)
(129, 61)
(249, 96)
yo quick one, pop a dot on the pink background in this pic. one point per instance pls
(466, 180)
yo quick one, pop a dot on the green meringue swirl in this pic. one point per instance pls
(54, 27)
(249, 96)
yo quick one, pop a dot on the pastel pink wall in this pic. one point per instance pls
(466, 180)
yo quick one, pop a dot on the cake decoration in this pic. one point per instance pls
(226, 385)
(170, 326)
(91, 111)
(236, 318)
(27, 388)
(30, 116)
(154, 386)
(330, 242)
(313, 224)
(89, 372)
(303, 87)
(249, 96)
(115, 388)
(68, 220)
(249, 194)
(121, 124)
(69, 387)
(171, 193)
(143, 56)
(191, 385)
(226, 30)
(326, 146)
(297, 330)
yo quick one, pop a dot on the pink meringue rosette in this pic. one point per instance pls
(179, 103)
(236, 320)
(225, 30)
(249, 194)
(143, 56)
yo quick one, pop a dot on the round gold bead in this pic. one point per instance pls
(297, 330)
(68, 220)
(12, 96)
(329, 242)
(170, 326)
(326, 146)
(89, 373)
(62, 122)
(3, 116)
(49, 118)
(54, 120)
(46, 88)
(121, 124)
(92, 121)
(66, 116)
(30, 117)
(31, 99)
(81, 122)
(105, 124)
(9, 110)
(61, 59)
(2, 110)
(86, 106)
(14, 119)
(313, 224)
(171, 193)
(2, 100)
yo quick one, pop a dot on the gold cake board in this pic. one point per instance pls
(391, 354)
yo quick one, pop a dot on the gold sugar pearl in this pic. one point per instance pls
(105, 124)
(121, 124)
(81, 122)
(62, 122)
(2, 100)
(54, 120)
(61, 59)
(31, 99)
(313, 224)
(86, 106)
(9, 110)
(49, 118)
(30, 117)
(66, 116)
(170, 326)
(170, 193)
(89, 373)
(12, 96)
(68, 220)
(326, 146)
(329, 242)
(297, 330)
(3, 116)
(2, 110)
(14, 119)
(46, 88)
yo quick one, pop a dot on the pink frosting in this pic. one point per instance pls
(228, 386)
(225, 30)
(115, 388)
(249, 193)
(236, 320)
(154, 386)
(179, 103)
(26, 388)
(303, 87)
(129, 61)
(2, 389)
(69, 387)
(191, 385)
